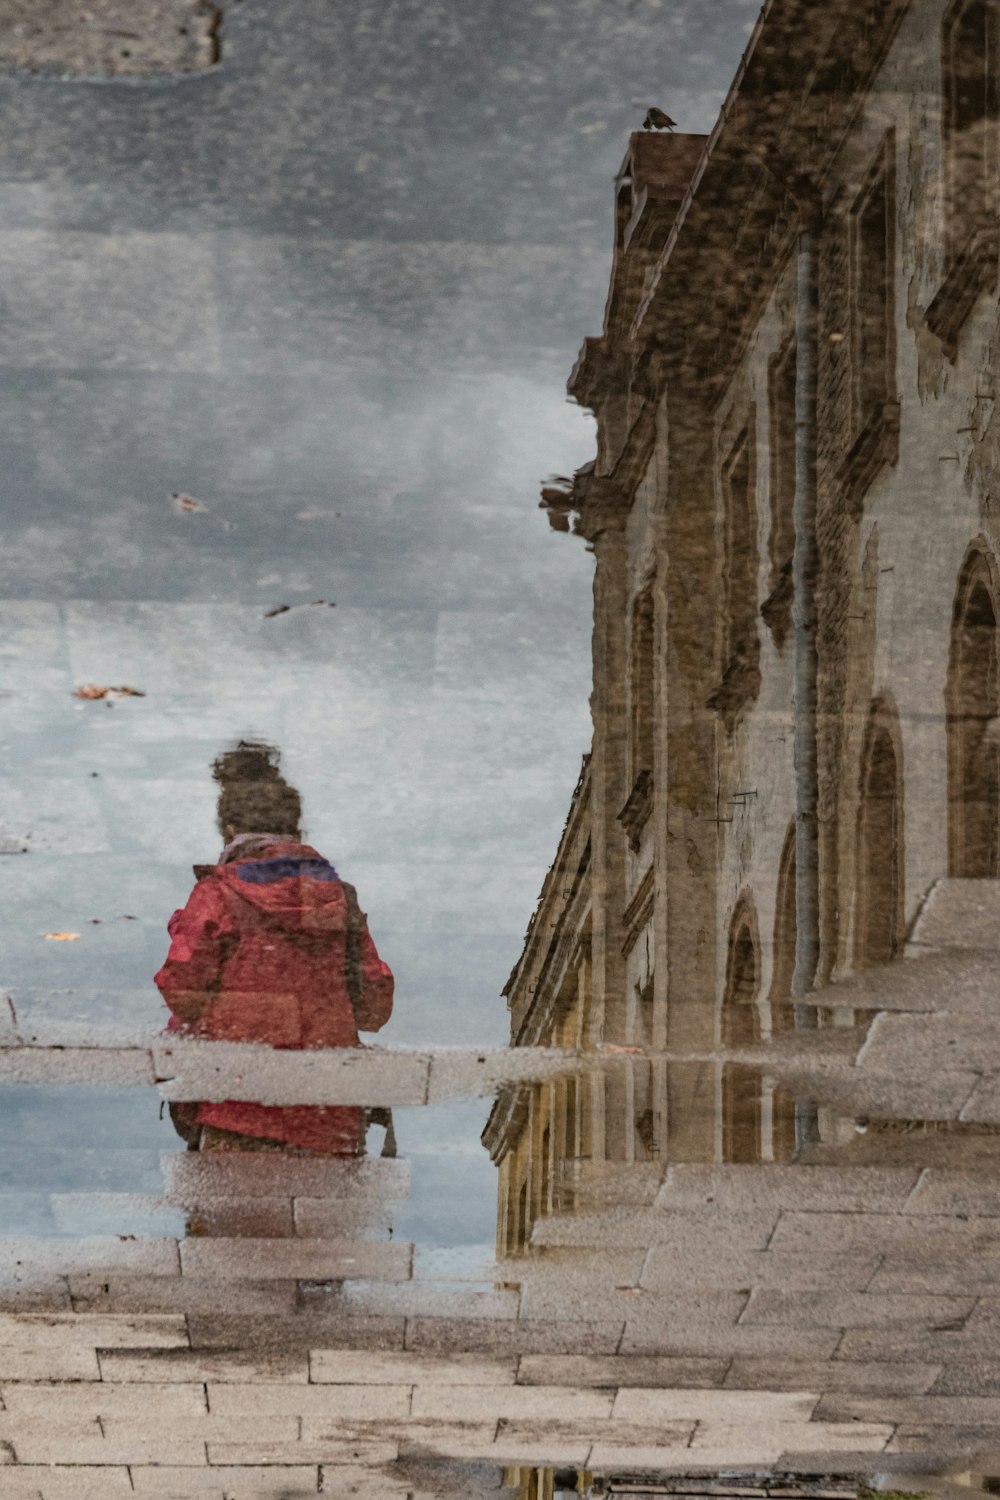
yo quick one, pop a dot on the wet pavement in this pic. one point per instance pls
(488, 1123)
(273, 1321)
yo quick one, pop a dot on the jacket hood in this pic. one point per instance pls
(292, 884)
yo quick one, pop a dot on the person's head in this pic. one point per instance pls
(250, 846)
(253, 794)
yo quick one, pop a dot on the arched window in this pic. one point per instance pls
(741, 1085)
(973, 703)
(641, 722)
(780, 997)
(879, 894)
(783, 954)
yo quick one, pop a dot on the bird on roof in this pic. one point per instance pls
(656, 119)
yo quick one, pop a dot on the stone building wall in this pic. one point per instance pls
(688, 511)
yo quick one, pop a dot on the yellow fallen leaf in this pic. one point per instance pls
(93, 690)
(61, 937)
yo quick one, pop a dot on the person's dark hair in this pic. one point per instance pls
(254, 797)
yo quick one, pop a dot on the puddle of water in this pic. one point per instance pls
(700, 1197)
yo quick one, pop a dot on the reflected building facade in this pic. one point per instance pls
(793, 516)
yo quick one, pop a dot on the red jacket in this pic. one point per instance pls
(275, 949)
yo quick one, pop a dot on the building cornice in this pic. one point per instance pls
(562, 909)
(759, 173)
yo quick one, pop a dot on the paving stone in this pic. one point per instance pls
(262, 1426)
(428, 1299)
(472, 1263)
(612, 1430)
(957, 913)
(943, 1344)
(465, 1074)
(300, 1329)
(26, 1212)
(954, 1193)
(29, 1481)
(79, 271)
(716, 1406)
(196, 1177)
(613, 1371)
(577, 1271)
(730, 1188)
(354, 1367)
(700, 1307)
(51, 1294)
(825, 1466)
(836, 1309)
(327, 1218)
(979, 1273)
(788, 1437)
(971, 1378)
(93, 1292)
(794, 1341)
(885, 1376)
(80, 1329)
(665, 1457)
(602, 1185)
(56, 1169)
(255, 1218)
(468, 1440)
(235, 1480)
(900, 1233)
(901, 1044)
(958, 1411)
(186, 1365)
(140, 1214)
(35, 1259)
(985, 1317)
(192, 1069)
(983, 1104)
(535, 1444)
(758, 1268)
(506, 1336)
(889, 1095)
(325, 1450)
(369, 1402)
(925, 982)
(950, 1442)
(23, 1433)
(50, 1448)
(300, 1258)
(687, 1229)
(28, 1362)
(463, 1403)
(88, 1066)
(63, 1401)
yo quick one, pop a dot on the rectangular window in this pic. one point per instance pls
(970, 59)
(741, 550)
(739, 683)
(970, 120)
(872, 293)
(777, 608)
(641, 731)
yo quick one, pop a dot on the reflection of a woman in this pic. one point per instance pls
(272, 947)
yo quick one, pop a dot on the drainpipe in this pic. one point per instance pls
(805, 573)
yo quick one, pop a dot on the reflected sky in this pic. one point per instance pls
(331, 290)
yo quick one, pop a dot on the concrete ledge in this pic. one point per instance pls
(108, 38)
